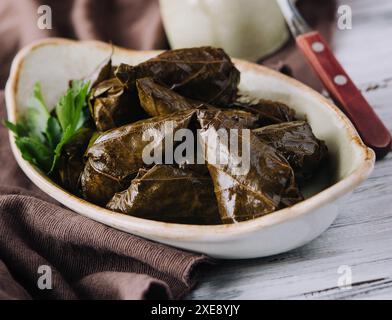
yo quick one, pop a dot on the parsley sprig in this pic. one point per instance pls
(41, 135)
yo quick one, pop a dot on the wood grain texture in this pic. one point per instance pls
(361, 237)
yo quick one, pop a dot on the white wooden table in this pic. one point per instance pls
(361, 237)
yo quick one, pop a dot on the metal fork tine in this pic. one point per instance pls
(295, 22)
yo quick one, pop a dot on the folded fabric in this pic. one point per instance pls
(87, 260)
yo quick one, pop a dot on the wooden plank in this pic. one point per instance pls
(361, 237)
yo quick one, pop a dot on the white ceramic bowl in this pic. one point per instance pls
(55, 61)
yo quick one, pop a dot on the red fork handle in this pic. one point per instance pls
(344, 92)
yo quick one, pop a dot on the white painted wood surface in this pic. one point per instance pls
(361, 237)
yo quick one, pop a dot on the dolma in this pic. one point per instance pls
(267, 186)
(111, 105)
(156, 100)
(205, 74)
(170, 194)
(297, 143)
(103, 72)
(116, 156)
(71, 161)
(242, 118)
(269, 112)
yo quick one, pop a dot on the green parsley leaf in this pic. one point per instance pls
(18, 129)
(41, 136)
(53, 132)
(70, 114)
(37, 113)
(33, 150)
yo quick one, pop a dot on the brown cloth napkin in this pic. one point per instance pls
(89, 260)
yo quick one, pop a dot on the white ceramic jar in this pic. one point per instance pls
(247, 29)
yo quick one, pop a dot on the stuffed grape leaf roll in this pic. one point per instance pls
(169, 193)
(117, 155)
(297, 143)
(112, 105)
(71, 162)
(268, 185)
(205, 74)
(156, 100)
(103, 72)
(269, 112)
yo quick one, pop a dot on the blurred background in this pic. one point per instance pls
(248, 29)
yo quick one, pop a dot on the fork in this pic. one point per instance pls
(337, 82)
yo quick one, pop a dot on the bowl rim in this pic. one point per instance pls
(172, 231)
